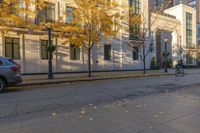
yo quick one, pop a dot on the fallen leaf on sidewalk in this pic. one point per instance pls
(151, 127)
(91, 119)
(161, 113)
(119, 105)
(82, 112)
(156, 116)
(53, 114)
(106, 106)
(138, 106)
(113, 104)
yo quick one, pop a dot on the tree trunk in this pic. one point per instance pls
(144, 60)
(89, 62)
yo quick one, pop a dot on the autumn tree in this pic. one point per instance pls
(93, 21)
(140, 27)
(18, 13)
(28, 15)
(45, 21)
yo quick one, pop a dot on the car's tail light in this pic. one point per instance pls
(16, 68)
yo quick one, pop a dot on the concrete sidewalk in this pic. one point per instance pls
(81, 77)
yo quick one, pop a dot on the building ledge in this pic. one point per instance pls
(191, 47)
(135, 40)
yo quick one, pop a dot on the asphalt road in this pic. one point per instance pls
(145, 105)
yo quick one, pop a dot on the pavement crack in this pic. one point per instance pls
(178, 118)
(16, 108)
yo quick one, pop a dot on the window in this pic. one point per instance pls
(21, 4)
(44, 53)
(156, 3)
(12, 8)
(74, 52)
(189, 59)
(198, 43)
(178, 2)
(159, 4)
(135, 53)
(12, 48)
(193, 3)
(199, 32)
(1, 2)
(69, 15)
(107, 52)
(134, 31)
(135, 7)
(47, 14)
(189, 29)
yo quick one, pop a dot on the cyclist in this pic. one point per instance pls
(179, 68)
(179, 65)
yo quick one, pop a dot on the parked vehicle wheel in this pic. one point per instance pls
(2, 85)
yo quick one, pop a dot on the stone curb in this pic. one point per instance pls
(87, 79)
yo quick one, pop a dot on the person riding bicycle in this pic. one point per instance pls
(179, 65)
(179, 68)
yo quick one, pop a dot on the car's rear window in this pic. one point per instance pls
(13, 61)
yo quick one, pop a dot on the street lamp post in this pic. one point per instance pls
(166, 40)
(180, 49)
(50, 73)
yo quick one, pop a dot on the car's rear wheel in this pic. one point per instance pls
(2, 85)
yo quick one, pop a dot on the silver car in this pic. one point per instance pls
(10, 73)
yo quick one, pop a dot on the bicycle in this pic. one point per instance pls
(179, 71)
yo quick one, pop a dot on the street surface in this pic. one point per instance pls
(165, 104)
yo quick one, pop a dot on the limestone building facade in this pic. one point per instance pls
(120, 53)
